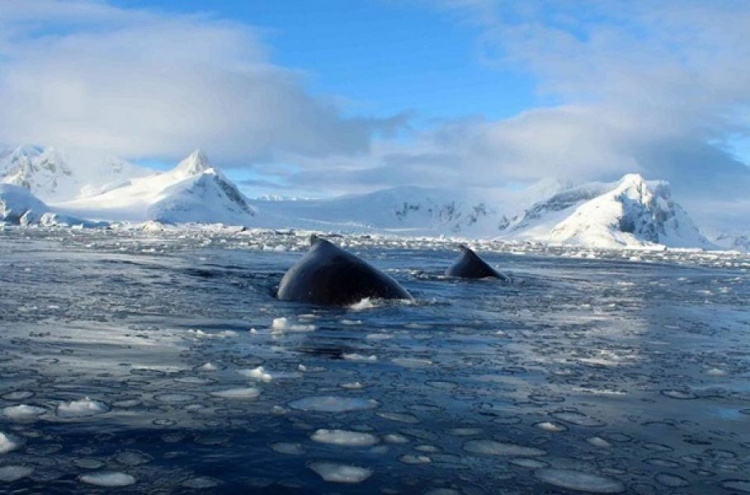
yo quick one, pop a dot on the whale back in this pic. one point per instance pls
(328, 275)
(470, 265)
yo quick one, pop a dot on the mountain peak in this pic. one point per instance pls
(196, 163)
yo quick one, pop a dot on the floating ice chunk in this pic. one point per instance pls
(414, 459)
(526, 462)
(351, 322)
(281, 325)
(9, 443)
(340, 473)
(174, 398)
(582, 482)
(288, 448)
(395, 438)
(207, 367)
(351, 385)
(108, 479)
(400, 417)
(23, 412)
(225, 334)
(333, 404)
(257, 373)
(412, 362)
(716, 372)
(359, 357)
(9, 474)
(344, 438)
(464, 431)
(598, 442)
(491, 447)
(378, 336)
(81, 408)
(237, 393)
(679, 394)
(430, 449)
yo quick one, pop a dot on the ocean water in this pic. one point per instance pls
(161, 363)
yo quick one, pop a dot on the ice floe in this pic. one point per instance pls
(340, 473)
(237, 393)
(579, 481)
(9, 474)
(23, 412)
(344, 438)
(108, 479)
(81, 408)
(492, 447)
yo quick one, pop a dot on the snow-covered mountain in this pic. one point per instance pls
(192, 192)
(54, 176)
(630, 213)
(406, 210)
(19, 206)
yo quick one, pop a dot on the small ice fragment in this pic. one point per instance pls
(400, 417)
(598, 442)
(351, 385)
(551, 427)
(23, 412)
(359, 357)
(9, 474)
(9, 443)
(716, 372)
(340, 473)
(464, 431)
(207, 367)
(344, 438)
(108, 479)
(491, 447)
(351, 322)
(81, 408)
(378, 336)
(257, 373)
(414, 459)
(395, 438)
(582, 482)
(412, 362)
(288, 448)
(281, 325)
(237, 393)
(333, 404)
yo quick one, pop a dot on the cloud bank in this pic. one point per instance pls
(142, 83)
(656, 87)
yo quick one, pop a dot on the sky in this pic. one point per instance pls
(325, 97)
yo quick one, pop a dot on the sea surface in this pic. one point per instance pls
(161, 362)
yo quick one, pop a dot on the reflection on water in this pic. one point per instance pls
(163, 364)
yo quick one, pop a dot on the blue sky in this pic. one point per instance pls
(386, 57)
(327, 97)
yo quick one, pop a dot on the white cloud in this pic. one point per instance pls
(142, 83)
(656, 87)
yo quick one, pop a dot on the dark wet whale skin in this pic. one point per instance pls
(470, 265)
(329, 276)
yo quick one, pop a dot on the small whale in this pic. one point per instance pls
(329, 276)
(470, 265)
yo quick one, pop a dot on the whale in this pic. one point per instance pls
(330, 276)
(470, 265)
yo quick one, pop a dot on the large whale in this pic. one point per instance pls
(470, 265)
(328, 275)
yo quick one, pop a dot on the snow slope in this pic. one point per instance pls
(405, 210)
(56, 176)
(630, 213)
(192, 192)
